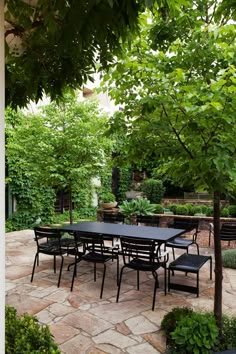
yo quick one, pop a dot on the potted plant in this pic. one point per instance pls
(107, 200)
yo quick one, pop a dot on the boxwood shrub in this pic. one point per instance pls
(232, 211)
(172, 207)
(224, 213)
(23, 334)
(181, 210)
(159, 209)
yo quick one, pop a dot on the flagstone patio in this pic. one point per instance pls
(80, 321)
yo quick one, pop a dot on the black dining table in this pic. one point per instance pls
(159, 234)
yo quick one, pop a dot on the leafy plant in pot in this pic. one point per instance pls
(107, 200)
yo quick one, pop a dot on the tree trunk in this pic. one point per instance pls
(70, 206)
(218, 263)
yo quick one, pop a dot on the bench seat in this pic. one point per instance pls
(188, 263)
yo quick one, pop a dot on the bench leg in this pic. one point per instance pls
(197, 284)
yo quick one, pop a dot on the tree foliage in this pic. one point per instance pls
(179, 103)
(51, 45)
(61, 147)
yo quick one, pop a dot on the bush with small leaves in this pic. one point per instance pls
(232, 211)
(190, 208)
(181, 210)
(172, 207)
(228, 332)
(23, 334)
(209, 211)
(159, 209)
(153, 189)
(224, 213)
(229, 258)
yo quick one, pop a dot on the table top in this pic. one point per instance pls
(159, 234)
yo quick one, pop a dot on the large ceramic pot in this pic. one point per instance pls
(109, 205)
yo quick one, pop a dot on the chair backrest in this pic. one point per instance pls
(92, 241)
(150, 220)
(186, 224)
(140, 248)
(228, 232)
(113, 218)
(47, 234)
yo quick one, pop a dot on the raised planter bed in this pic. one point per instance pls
(166, 218)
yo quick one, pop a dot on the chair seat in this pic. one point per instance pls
(181, 242)
(51, 250)
(141, 264)
(96, 257)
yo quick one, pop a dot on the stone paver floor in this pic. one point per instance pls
(80, 321)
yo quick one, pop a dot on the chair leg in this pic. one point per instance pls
(118, 290)
(35, 259)
(103, 279)
(54, 263)
(155, 276)
(165, 285)
(59, 279)
(197, 248)
(74, 275)
(94, 272)
(173, 251)
(118, 270)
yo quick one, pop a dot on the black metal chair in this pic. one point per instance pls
(142, 255)
(188, 225)
(150, 220)
(95, 252)
(49, 242)
(228, 232)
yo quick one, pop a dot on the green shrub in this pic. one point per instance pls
(23, 334)
(159, 209)
(181, 210)
(197, 209)
(153, 189)
(224, 213)
(195, 334)
(172, 207)
(209, 211)
(229, 258)
(228, 331)
(106, 197)
(171, 319)
(204, 209)
(232, 211)
(190, 208)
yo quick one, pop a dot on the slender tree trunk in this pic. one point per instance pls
(218, 263)
(70, 206)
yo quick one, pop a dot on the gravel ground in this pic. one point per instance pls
(203, 241)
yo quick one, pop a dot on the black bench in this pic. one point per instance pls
(188, 263)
